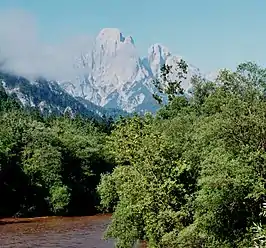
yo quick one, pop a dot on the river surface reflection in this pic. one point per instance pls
(83, 232)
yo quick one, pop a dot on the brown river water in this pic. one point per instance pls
(70, 232)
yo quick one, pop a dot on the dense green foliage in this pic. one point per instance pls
(48, 166)
(193, 175)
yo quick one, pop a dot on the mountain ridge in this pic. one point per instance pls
(116, 76)
(111, 79)
(49, 98)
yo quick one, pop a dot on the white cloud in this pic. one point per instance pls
(25, 54)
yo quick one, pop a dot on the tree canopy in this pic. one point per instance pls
(193, 175)
(48, 165)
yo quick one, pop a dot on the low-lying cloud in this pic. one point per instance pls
(22, 52)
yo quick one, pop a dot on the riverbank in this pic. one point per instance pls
(55, 231)
(51, 231)
(4, 221)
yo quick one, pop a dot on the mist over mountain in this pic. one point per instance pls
(106, 70)
(24, 52)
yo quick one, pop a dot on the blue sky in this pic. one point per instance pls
(208, 33)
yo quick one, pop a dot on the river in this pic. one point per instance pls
(51, 232)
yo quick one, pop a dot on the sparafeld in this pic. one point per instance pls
(114, 75)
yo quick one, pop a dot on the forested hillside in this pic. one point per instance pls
(193, 175)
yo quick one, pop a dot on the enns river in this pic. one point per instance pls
(83, 232)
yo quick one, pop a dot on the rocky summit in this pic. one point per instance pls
(115, 76)
(109, 75)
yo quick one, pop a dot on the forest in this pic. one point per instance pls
(48, 165)
(193, 175)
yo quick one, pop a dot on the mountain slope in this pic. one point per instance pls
(47, 96)
(111, 79)
(113, 75)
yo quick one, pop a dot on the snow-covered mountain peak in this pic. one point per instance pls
(114, 75)
(110, 34)
(113, 35)
(158, 49)
(129, 40)
(157, 56)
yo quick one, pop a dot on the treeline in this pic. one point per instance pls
(48, 165)
(194, 174)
